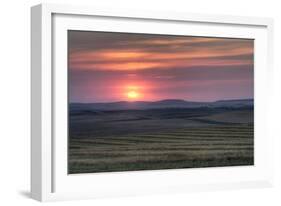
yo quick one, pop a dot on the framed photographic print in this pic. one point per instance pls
(137, 102)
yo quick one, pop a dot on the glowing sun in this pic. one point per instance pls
(132, 95)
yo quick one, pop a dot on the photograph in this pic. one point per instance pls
(139, 101)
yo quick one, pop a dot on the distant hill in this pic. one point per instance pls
(233, 103)
(167, 103)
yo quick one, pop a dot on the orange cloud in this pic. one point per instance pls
(181, 52)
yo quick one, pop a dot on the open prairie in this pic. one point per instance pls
(148, 139)
(158, 101)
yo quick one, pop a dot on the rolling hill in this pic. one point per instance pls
(167, 103)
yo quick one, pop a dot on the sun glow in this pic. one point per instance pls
(132, 95)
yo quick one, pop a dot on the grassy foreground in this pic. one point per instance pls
(201, 146)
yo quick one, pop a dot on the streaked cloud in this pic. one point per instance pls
(124, 52)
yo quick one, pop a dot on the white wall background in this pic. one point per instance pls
(15, 108)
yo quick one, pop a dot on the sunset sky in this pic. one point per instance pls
(108, 67)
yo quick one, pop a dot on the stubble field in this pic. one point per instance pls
(160, 139)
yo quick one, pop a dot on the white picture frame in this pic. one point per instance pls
(49, 179)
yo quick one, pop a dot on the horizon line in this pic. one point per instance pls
(252, 98)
